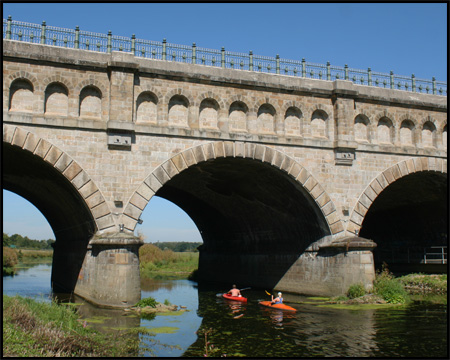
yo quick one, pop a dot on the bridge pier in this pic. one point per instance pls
(329, 268)
(326, 268)
(109, 276)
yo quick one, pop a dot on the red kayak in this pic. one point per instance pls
(235, 298)
(277, 306)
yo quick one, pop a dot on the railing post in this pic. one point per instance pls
(433, 79)
(133, 44)
(250, 64)
(346, 72)
(109, 47)
(391, 80)
(369, 76)
(223, 57)
(164, 50)
(278, 63)
(413, 83)
(77, 37)
(194, 55)
(328, 71)
(43, 32)
(303, 67)
(8, 28)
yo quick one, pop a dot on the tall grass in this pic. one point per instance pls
(155, 262)
(32, 328)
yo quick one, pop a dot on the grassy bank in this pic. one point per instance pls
(157, 263)
(32, 328)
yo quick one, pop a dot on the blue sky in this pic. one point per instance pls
(407, 38)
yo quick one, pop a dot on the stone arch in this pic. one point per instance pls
(407, 132)
(21, 95)
(384, 179)
(90, 104)
(179, 91)
(212, 96)
(178, 111)
(68, 167)
(102, 88)
(385, 130)
(22, 75)
(56, 99)
(237, 116)
(319, 123)
(147, 107)
(212, 150)
(266, 118)
(362, 128)
(428, 134)
(293, 124)
(208, 113)
(236, 98)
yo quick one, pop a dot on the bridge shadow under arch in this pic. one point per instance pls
(255, 219)
(408, 217)
(73, 225)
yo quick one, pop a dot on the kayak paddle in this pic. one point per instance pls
(268, 293)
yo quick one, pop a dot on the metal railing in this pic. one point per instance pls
(79, 39)
(414, 255)
(435, 255)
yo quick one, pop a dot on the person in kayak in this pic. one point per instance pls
(234, 291)
(278, 299)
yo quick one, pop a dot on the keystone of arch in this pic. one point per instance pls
(73, 172)
(213, 150)
(384, 179)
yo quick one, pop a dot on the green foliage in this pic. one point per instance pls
(425, 283)
(10, 259)
(36, 329)
(24, 242)
(178, 246)
(146, 302)
(389, 288)
(155, 262)
(167, 302)
(355, 291)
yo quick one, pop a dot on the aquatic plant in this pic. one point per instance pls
(146, 302)
(355, 291)
(389, 288)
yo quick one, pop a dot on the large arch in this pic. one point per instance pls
(70, 201)
(404, 210)
(252, 204)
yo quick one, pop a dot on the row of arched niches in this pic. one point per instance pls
(296, 121)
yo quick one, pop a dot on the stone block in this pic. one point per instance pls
(219, 150)
(132, 211)
(100, 210)
(20, 136)
(88, 189)
(161, 175)
(81, 179)
(170, 168)
(145, 191)
(63, 162)
(31, 142)
(138, 201)
(94, 200)
(153, 183)
(189, 158)
(72, 170)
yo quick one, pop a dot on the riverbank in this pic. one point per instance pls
(32, 328)
(166, 264)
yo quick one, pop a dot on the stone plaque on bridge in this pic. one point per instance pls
(344, 156)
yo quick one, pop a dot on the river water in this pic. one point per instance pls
(233, 329)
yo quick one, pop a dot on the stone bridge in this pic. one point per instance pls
(297, 184)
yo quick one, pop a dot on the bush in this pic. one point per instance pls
(10, 259)
(389, 288)
(146, 302)
(355, 291)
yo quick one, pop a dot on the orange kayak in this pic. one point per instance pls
(235, 298)
(277, 306)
